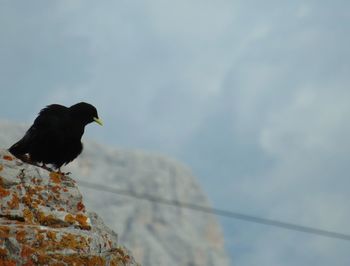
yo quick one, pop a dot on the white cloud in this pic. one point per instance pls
(304, 10)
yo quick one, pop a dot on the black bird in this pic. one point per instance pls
(55, 136)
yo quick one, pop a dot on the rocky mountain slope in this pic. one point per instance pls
(43, 221)
(157, 234)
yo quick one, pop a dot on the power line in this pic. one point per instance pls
(218, 212)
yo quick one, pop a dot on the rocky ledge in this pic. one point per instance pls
(43, 221)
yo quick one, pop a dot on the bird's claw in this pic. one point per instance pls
(66, 173)
(46, 168)
(63, 173)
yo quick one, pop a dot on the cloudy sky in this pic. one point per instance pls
(252, 95)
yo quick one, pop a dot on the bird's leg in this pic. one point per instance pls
(62, 173)
(46, 167)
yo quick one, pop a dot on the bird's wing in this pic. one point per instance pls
(51, 120)
(51, 112)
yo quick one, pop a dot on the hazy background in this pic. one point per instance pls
(252, 95)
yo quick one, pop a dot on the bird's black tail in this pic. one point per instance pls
(18, 149)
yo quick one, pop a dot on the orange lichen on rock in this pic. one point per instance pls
(4, 231)
(71, 259)
(29, 263)
(36, 181)
(27, 200)
(80, 206)
(1, 167)
(14, 202)
(70, 241)
(34, 204)
(125, 258)
(40, 239)
(51, 235)
(4, 192)
(48, 220)
(33, 197)
(98, 261)
(55, 177)
(43, 259)
(7, 157)
(26, 251)
(3, 252)
(82, 220)
(28, 216)
(69, 218)
(56, 189)
(7, 262)
(29, 196)
(20, 235)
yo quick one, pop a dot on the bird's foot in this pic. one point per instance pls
(46, 167)
(63, 173)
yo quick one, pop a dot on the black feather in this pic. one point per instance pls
(55, 136)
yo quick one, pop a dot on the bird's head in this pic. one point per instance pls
(85, 112)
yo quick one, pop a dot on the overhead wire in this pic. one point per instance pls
(216, 211)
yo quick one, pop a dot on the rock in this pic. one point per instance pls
(43, 221)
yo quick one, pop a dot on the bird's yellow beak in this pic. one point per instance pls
(98, 121)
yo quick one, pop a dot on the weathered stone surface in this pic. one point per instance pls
(43, 221)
